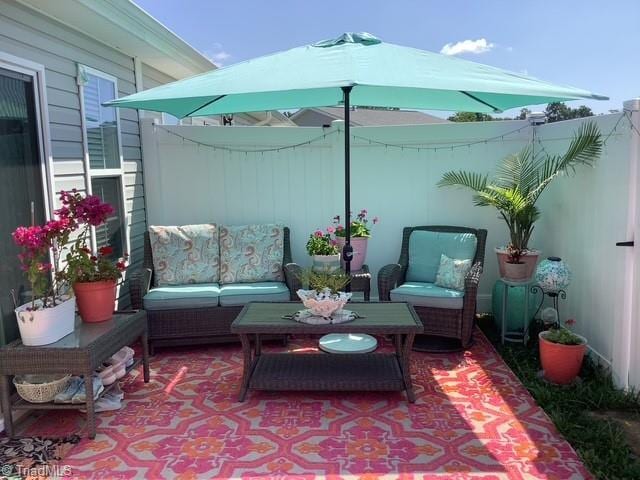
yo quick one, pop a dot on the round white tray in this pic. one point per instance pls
(348, 343)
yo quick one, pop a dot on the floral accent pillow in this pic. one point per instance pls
(451, 272)
(186, 254)
(251, 253)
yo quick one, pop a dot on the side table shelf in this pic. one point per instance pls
(79, 353)
(22, 404)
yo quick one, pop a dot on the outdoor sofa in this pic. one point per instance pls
(197, 278)
(447, 313)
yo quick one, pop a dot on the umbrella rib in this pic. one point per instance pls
(205, 105)
(495, 109)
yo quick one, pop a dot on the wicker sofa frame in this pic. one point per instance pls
(194, 326)
(442, 322)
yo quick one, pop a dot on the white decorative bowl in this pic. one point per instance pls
(324, 303)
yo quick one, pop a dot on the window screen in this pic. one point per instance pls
(101, 123)
(111, 233)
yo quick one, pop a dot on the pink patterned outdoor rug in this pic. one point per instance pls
(472, 419)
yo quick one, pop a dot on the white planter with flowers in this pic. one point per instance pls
(51, 313)
(42, 326)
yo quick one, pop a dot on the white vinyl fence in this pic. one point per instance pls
(206, 174)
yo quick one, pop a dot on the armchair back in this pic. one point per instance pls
(480, 234)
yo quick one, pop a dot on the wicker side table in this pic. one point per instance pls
(361, 282)
(79, 353)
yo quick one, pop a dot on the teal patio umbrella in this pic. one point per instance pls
(354, 69)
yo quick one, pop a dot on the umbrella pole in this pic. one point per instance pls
(347, 251)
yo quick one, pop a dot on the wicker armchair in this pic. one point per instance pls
(446, 329)
(189, 326)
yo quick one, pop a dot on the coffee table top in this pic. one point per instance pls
(379, 317)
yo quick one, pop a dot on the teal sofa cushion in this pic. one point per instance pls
(174, 297)
(424, 294)
(243, 293)
(425, 248)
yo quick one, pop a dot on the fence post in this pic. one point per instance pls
(150, 169)
(626, 366)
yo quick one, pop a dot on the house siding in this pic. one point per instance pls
(29, 35)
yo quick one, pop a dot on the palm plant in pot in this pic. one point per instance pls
(517, 185)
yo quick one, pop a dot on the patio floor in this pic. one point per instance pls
(472, 419)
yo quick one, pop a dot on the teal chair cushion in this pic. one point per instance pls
(425, 248)
(424, 294)
(242, 293)
(173, 297)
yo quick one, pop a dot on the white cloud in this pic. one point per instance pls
(217, 56)
(467, 46)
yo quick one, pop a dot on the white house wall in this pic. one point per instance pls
(37, 38)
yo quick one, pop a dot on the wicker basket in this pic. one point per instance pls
(40, 388)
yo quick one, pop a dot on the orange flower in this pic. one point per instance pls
(367, 449)
(202, 447)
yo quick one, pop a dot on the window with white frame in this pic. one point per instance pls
(103, 153)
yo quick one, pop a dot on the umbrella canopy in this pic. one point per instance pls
(381, 74)
(353, 69)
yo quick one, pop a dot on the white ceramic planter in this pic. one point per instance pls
(47, 325)
(326, 263)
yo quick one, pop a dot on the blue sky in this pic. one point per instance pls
(591, 44)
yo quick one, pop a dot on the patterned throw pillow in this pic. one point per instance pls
(451, 272)
(187, 254)
(251, 253)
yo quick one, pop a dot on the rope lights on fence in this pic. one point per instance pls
(606, 138)
(419, 148)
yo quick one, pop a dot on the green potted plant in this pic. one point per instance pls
(360, 232)
(517, 185)
(561, 353)
(324, 296)
(324, 251)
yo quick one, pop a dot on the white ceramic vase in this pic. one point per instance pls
(326, 263)
(46, 325)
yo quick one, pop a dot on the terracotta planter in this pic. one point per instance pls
(561, 363)
(42, 327)
(326, 263)
(359, 245)
(96, 300)
(530, 259)
(516, 272)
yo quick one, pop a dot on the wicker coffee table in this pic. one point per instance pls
(79, 353)
(323, 371)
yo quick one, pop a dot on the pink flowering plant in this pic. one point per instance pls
(44, 246)
(37, 242)
(321, 243)
(359, 226)
(82, 264)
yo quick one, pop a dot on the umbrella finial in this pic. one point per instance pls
(362, 38)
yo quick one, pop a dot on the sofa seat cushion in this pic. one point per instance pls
(251, 253)
(243, 293)
(426, 247)
(186, 254)
(423, 294)
(175, 297)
